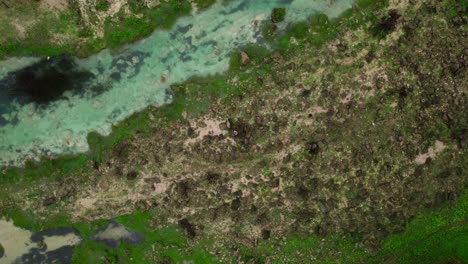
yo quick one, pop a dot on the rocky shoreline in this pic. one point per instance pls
(352, 138)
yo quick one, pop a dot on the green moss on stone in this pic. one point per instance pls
(278, 14)
(102, 5)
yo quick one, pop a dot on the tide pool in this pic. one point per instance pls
(136, 77)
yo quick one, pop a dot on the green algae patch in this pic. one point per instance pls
(44, 169)
(278, 15)
(319, 28)
(121, 29)
(437, 235)
(440, 235)
(102, 5)
(165, 244)
(203, 4)
(305, 249)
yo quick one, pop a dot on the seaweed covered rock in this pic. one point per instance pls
(278, 15)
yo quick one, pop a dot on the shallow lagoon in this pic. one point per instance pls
(136, 77)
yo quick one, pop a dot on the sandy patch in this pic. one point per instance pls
(56, 242)
(403, 4)
(291, 149)
(83, 205)
(400, 4)
(160, 188)
(89, 13)
(56, 4)
(431, 153)
(15, 241)
(318, 110)
(20, 28)
(114, 233)
(115, 7)
(371, 75)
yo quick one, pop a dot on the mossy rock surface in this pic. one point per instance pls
(278, 14)
(102, 5)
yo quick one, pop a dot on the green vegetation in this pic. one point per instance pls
(37, 39)
(319, 28)
(123, 29)
(56, 32)
(167, 244)
(269, 32)
(256, 54)
(431, 237)
(203, 4)
(102, 5)
(278, 15)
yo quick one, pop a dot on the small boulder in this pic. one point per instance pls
(266, 234)
(132, 175)
(313, 148)
(188, 227)
(49, 201)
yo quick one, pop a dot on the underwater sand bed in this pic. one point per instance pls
(50, 246)
(56, 245)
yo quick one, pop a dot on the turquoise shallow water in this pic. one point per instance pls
(138, 76)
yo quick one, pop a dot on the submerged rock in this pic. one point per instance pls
(313, 147)
(113, 233)
(188, 227)
(128, 65)
(47, 80)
